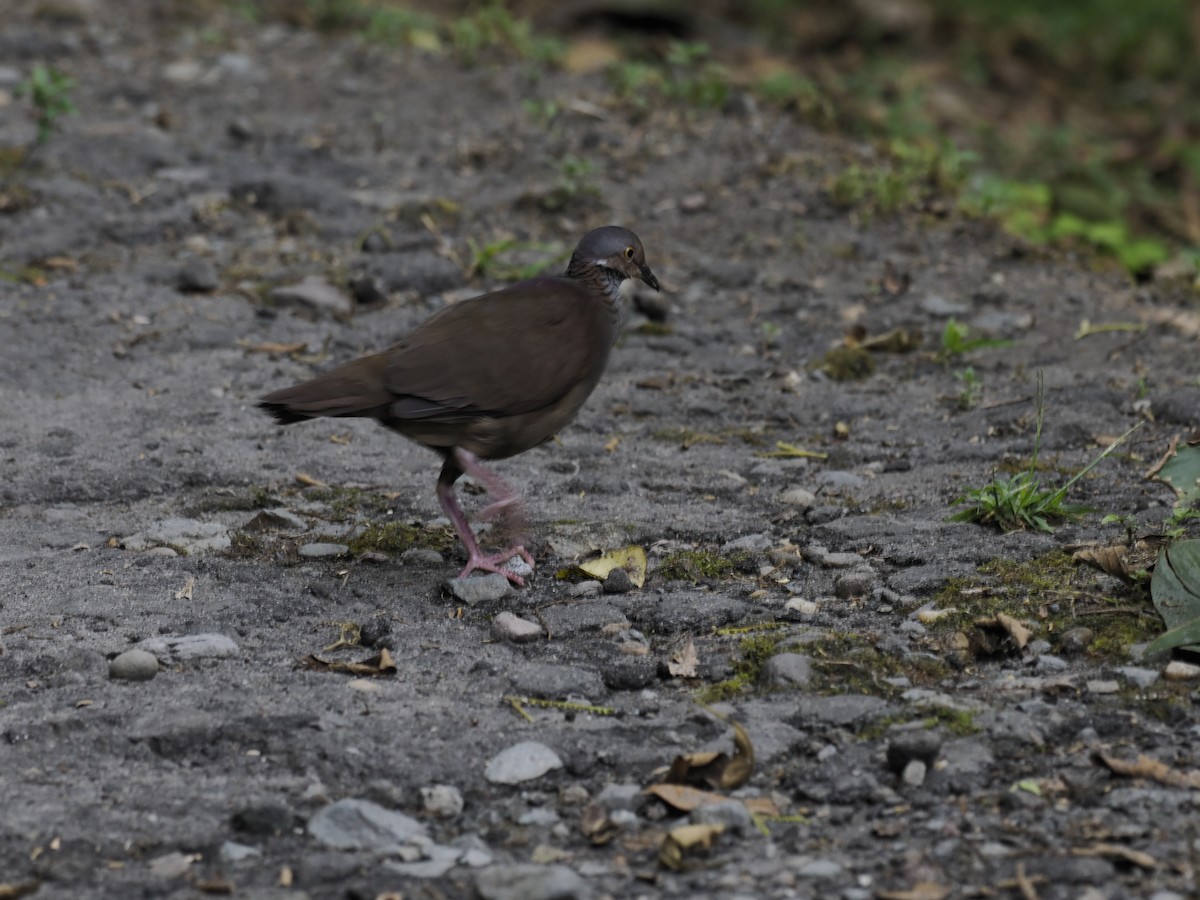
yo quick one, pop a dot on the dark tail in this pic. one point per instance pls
(355, 389)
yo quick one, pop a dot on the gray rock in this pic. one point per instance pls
(323, 550)
(550, 681)
(618, 582)
(788, 670)
(190, 534)
(352, 824)
(1137, 676)
(508, 627)
(529, 881)
(542, 817)
(191, 646)
(798, 496)
(473, 591)
(820, 868)
(854, 584)
(908, 744)
(133, 665)
(522, 762)
(314, 295)
(278, 519)
(937, 305)
(422, 556)
(233, 852)
(842, 709)
(750, 543)
(198, 274)
(833, 480)
(442, 801)
(841, 560)
(1048, 664)
(730, 813)
(621, 796)
(1103, 686)
(966, 756)
(914, 773)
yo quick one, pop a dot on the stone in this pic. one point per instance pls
(522, 762)
(750, 543)
(914, 773)
(133, 665)
(314, 295)
(730, 813)
(1138, 677)
(551, 681)
(529, 881)
(908, 744)
(798, 496)
(480, 589)
(265, 819)
(788, 670)
(233, 852)
(198, 275)
(352, 824)
(323, 550)
(508, 627)
(1178, 670)
(277, 519)
(854, 584)
(442, 801)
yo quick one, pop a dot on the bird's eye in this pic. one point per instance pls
(629, 253)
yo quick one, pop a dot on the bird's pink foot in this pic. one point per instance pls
(477, 560)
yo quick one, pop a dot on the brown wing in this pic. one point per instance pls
(510, 352)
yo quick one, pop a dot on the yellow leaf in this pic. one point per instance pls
(632, 559)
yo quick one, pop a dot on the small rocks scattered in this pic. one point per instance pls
(133, 665)
(509, 627)
(480, 589)
(522, 762)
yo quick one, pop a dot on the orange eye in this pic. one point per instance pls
(629, 253)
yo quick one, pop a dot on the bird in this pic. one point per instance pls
(488, 377)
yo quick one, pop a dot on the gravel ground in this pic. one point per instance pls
(238, 206)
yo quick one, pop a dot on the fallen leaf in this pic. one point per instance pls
(1147, 767)
(1018, 632)
(11, 890)
(717, 770)
(273, 348)
(1119, 559)
(898, 340)
(309, 481)
(632, 559)
(687, 839)
(1175, 590)
(683, 661)
(684, 797)
(380, 664)
(185, 592)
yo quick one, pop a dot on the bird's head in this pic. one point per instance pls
(614, 248)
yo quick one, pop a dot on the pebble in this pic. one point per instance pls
(854, 584)
(841, 560)
(133, 665)
(278, 519)
(162, 553)
(820, 868)
(442, 801)
(423, 556)
(313, 294)
(839, 481)
(788, 670)
(233, 852)
(522, 762)
(730, 813)
(540, 817)
(618, 582)
(509, 627)
(1138, 676)
(1048, 664)
(199, 275)
(1076, 640)
(1178, 670)
(529, 881)
(352, 824)
(750, 543)
(937, 305)
(802, 605)
(322, 550)
(1103, 687)
(473, 591)
(914, 773)
(192, 646)
(798, 496)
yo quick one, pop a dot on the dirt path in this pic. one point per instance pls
(211, 166)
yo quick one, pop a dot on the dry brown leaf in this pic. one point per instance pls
(923, 890)
(1117, 851)
(716, 770)
(1146, 767)
(12, 890)
(380, 664)
(273, 348)
(683, 661)
(1186, 322)
(185, 592)
(898, 340)
(309, 481)
(683, 797)
(1018, 632)
(1120, 560)
(1172, 446)
(687, 839)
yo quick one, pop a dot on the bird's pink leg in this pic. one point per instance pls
(459, 462)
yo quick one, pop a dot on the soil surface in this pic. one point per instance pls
(156, 250)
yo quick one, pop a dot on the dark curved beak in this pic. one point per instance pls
(648, 277)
